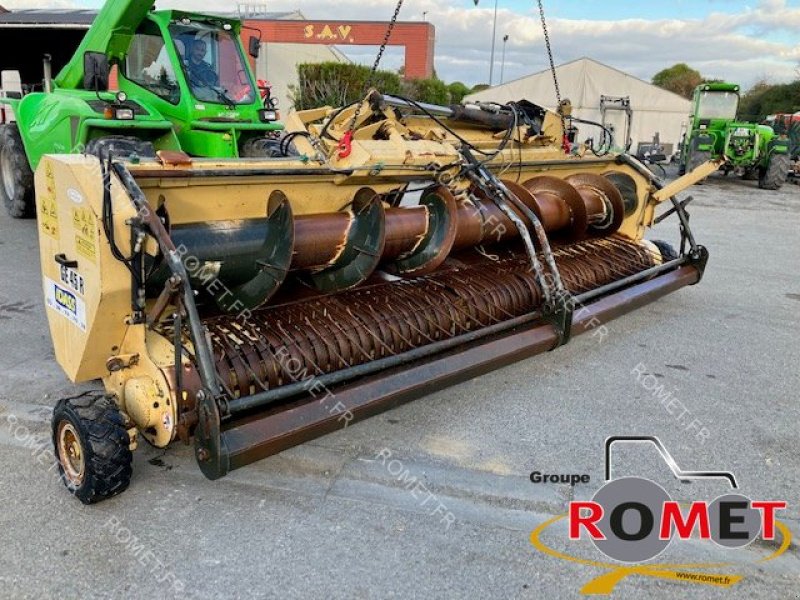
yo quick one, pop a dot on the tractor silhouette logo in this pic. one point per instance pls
(632, 520)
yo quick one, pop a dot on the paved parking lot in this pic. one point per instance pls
(336, 518)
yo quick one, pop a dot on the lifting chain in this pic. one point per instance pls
(565, 140)
(345, 146)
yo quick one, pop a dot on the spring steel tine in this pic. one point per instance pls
(449, 311)
(358, 318)
(474, 304)
(334, 333)
(332, 343)
(397, 332)
(413, 312)
(410, 298)
(249, 354)
(310, 360)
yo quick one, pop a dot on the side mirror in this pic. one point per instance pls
(95, 71)
(255, 47)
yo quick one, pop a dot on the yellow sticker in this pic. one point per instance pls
(48, 210)
(85, 227)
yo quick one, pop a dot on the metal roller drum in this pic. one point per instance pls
(335, 332)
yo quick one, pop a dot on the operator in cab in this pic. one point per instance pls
(201, 74)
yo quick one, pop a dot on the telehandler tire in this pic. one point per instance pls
(16, 177)
(750, 174)
(92, 447)
(776, 173)
(264, 147)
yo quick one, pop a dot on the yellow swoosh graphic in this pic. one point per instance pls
(605, 584)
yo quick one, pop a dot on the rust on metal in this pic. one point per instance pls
(253, 439)
(334, 332)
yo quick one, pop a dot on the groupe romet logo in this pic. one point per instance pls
(632, 520)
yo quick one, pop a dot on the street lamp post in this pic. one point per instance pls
(503, 61)
(494, 39)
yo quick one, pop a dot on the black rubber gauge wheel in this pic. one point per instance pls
(92, 448)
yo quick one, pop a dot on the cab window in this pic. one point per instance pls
(213, 64)
(718, 105)
(148, 65)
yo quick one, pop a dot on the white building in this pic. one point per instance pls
(584, 82)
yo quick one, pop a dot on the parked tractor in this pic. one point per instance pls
(788, 125)
(185, 85)
(754, 151)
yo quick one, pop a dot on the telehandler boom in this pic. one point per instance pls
(185, 85)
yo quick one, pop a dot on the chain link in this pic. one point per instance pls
(549, 51)
(552, 65)
(378, 58)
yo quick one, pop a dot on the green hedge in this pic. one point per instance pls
(339, 84)
(457, 92)
(432, 91)
(765, 99)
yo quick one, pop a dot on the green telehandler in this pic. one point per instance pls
(185, 85)
(753, 150)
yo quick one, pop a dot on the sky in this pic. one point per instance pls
(739, 41)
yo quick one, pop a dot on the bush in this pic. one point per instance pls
(431, 91)
(765, 99)
(340, 84)
(457, 92)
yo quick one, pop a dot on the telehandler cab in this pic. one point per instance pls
(185, 84)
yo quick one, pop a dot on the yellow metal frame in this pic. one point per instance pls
(90, 317)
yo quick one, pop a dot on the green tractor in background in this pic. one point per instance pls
(788, 125)
(185, 85)
(754, 151)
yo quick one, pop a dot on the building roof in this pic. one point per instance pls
(82, 19)
(33, 17)
(583, 81)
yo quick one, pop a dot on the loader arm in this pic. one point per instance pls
(111, 34)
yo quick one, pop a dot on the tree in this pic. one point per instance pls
(457, 92)
(680, 79)
(765, 99)
(340, 84)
